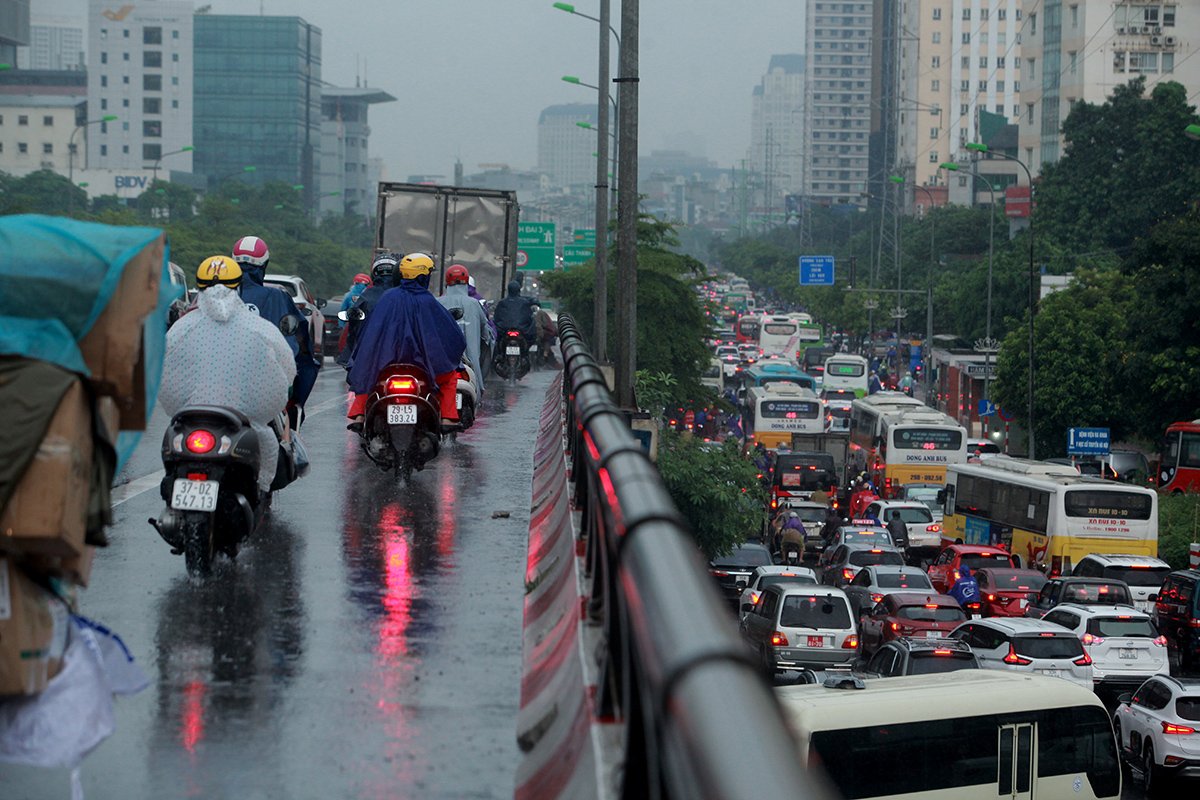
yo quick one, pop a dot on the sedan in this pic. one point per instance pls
(873, 583)
(735, 568)
(909, 614)
(1006, 592)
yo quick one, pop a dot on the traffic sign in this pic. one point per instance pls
(574, 254)
(816, 270)
(535, 245)
(986, 408)
(1088, 441)
(585, 237)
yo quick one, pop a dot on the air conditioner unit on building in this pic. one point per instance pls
(1122, 31)
(1170, 41)
(1145, 29)
(1156, 40)
(1158, 29)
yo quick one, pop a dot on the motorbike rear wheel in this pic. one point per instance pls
(198, 547)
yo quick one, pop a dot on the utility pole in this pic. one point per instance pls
(627, 206)
(600, 301)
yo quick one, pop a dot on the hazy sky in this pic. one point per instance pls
(471, 76)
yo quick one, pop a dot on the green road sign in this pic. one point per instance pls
(574, 254)
(535, 245)
(585, 237)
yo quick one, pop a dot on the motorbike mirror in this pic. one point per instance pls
(322, 302)
(344, 316)
(457, 313)
(289, 325)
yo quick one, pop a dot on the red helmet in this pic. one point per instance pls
(362, 278)
(251, 250)
(457, 275)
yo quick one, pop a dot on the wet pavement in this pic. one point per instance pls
(365, 644)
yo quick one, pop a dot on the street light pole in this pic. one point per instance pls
(928, 349)
(627, 206)
(600, 254)
(158, 161)
(71, 143)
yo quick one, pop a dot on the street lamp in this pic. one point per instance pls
(570, 9)
(1033, 283)
(1192, 131)
(899, 179)
(71, 142)
(185, 149)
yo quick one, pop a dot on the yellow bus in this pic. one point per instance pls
(898, 441)
(772, 413)
(1047, 515)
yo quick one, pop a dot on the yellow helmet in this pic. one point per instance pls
(414, 265)
(219, 269)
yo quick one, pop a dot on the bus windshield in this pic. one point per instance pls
(843, 369)
(1108, 504)
(779, 328)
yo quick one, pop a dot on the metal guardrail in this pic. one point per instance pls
(700, 720)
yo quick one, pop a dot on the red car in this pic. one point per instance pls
(944, 571)
(1005, 592)
(916, 615)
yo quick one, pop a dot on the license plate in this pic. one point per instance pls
(1021, 604)
(1051, 673)
(512, 351)
(458, 400)
(1127, 653)
(816, 641)
(403, 414)
(188, 495)
(933, 634)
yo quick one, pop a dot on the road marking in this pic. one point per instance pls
(128, 491)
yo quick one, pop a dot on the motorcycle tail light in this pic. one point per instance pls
(201, 441)
(401, 384)
(514, 334)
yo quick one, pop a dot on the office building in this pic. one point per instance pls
(1082, 50)
(776, 129)
(347, 183)
(55, 43)
(14, 29)
(258, 101)
(564, 149)
(838, 110)
(40, 112)
(140, 70)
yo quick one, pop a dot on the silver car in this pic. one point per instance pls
(1027, 645)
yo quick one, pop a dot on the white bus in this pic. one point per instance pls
(786, 334)
(899, 441)
(846, 372)
(956, 736)
(772, 413)
(1047, 514)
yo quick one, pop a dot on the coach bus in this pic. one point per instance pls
(848, 372)
(898, 441)
(1179, 462)
(1047, 515)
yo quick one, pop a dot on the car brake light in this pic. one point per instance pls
(774, 503)
(847, 573)
(1194, 623)
(851, 642)
(991, 598)
(943, 652)
(1089, 640)
(1013, 658)
(401, 384)
(778, 639)
(1172, 728)
(201, 441)
(876, 597)
(720, 573)
(1161, 641)
(934, 528)
(753, 598)
(1083, 661)
(1046, 634)
(895, 626)
(876, 551)
(956, 575)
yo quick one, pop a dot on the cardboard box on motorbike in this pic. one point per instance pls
(33, 632)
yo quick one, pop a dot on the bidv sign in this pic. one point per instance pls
(130, 182)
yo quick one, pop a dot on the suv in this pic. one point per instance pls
(1027, 645)
(1124, 644)
(1143, 574)
(918, 615)
(919, 657)
(840, 565)
(1084, 591)
(762, 577)
(1156, 729)
(873, 583)
(309, 306)
(924, 535)
(791, 627)
(1177, 612)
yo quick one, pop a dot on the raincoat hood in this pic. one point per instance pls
(221, 303)
(458, 291)
(256, 274)
(964, 571)
(514, 288)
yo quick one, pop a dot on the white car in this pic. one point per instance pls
(875, 582)
(1143, 574)
(923, 533)
(793, 627)
(1123, 643)
(1158, 730)
(762, 577)
(923, 493)
(308, 304)
(1027, 645)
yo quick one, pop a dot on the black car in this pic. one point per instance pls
(736, 567)
(920, 657)
(1177, 616)
(1085, 591)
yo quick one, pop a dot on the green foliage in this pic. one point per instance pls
(715, 488)
(1178, 526)
(654, 390)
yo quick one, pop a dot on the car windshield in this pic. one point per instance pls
(911, 515)
(1014, 580)
(1138, 576)
(903, 580)
(744, 557)
(933, 663)
(1188, 708)
(811, 514)
(779, 580)
(1134, 627)
(923, 613)
(979, 560)
(814, 612)
(1048, 646)
(1103, 594)
(290, 288)
(867, 537)
(865, 558)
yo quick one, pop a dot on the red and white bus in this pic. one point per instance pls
(1179, 462)
(747, 328)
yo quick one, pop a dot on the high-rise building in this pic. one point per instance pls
(838, 108)
(40, 112)
(140, 71)
(958, 58)
(55, 43)
(776, 128)
(564, 149)
(347, 185)
(1082, 50)
(258, 101)
(14, 28)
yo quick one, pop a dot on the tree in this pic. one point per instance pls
(715, 488)
(42, 192)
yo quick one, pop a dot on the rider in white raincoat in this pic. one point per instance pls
(224, 354)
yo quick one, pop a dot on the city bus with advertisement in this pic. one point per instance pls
(1179, 461)
(771, 414)
(769, 371)
(901, 444)
(1047, 515)
(848, 372)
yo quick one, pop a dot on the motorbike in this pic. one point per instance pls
(402, 425)
(467, 398)
(511, 360)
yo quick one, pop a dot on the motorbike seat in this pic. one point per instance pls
(229, 415)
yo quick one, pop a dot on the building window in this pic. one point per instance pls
(1033, 24)
(124, 126)
(125, 79)
(152, 129)
(175, 57)
(125, 103)
(174, 34)
(983, 85)
(104, 33)
(125, 32)
(1016, 86)
(1001, 13)
(1031, 73)
(965, 62)
(983, 62)
(1001, 62)
(175, 81)
(1002, 38)
(125, 56)
(22, 147)
(174, 104)
(47, 148)
(103, 149)
(104, 127)
(48, 122)
(151, 152)
(104, 58)
(1075, 16)
(999, 88)
(22, 119)
(964, 86)
(966, 38)
(937, 37)
(933, 157)
(152, 58)
(125, 149)
(983, 14)
(966, 13)
(1168, 62)
(151, 35)
(937, 13)
(1072, 60)
(152, 83)
(1168, 17)
(935, 62)
(104, 80)
(1029, 108)
(983, 38)
(933, 133)
(935, 85)
(151, 105)
(962, 180)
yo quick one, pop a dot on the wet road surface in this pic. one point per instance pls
(366, 643)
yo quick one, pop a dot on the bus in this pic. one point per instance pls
(772, 413)
(1047, 515)
(747, 328)
(767, 371)
(781, 334)
(959, 735)
(809, 336)
(845, 371)
(1179, 463)
(736, 301)
(898, 441)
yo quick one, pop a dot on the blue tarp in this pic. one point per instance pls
(57, 276)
